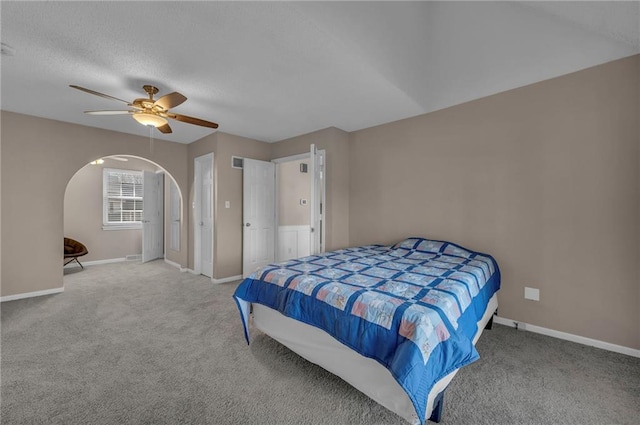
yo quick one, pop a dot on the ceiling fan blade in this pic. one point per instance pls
(192, 120)
(170, 100)
(108, 112)
(97, 93)
(165, 129)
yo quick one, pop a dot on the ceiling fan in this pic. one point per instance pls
(149, 111)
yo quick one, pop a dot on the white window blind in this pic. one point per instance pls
(122, 199)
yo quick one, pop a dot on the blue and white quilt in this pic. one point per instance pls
(413, 307)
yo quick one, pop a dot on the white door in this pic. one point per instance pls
(152, 216)
(203, 205)
(174, 224)
(317, 167)
(259, 214)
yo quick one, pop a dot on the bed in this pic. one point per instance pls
(396, 322)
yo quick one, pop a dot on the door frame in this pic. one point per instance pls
(322, 199)
(147, 229)
(258, 220)
(197, 198)
(172, 189)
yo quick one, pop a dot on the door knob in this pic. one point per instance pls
(248, 224)
(202, 223)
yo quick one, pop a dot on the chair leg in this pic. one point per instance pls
(72, 260)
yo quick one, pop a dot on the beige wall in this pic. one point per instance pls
(39, 157)
(83, 213)
(336, 144)
(544, 177)
(292, 187)
(227, 183)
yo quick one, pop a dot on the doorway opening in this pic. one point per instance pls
(293, 193)
(203, 215)
(116, 207)
(283, 209)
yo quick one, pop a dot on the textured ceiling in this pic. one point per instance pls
(273, 70)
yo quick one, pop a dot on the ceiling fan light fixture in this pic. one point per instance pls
(150, 112)
(153, 120)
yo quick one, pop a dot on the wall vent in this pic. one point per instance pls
(237, 162)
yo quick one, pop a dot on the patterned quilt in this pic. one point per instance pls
(413, 306)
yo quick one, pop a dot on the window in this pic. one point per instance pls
(122, 199)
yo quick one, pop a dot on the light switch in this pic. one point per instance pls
(227, 204)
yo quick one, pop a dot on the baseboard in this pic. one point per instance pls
(96, 262)
(213, 280)
(567, 336)
(226, 279)
(176, 265)
(31, 294)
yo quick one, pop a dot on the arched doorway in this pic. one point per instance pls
(109, 206)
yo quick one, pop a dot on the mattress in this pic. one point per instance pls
(364, 374)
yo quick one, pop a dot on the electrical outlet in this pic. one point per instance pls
(531, 294)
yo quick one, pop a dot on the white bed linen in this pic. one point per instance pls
(363, 373)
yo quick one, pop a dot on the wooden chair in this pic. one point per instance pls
(72, 250)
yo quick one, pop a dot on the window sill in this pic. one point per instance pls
(129, 226)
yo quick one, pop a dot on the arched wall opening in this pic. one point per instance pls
(39, 157)
(84, 215)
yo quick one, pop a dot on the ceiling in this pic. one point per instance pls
(274, 70)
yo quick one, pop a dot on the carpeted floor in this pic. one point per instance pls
(137, 343)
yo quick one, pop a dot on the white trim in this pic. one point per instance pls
(300, 247)
(31, 294)
(170, 220)
(176, 265)
(196, 211)
(292, 158)
(226, 279)
(568, 337)
(96, 262)
(298, 157)
(134, 225)
(323, 199)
